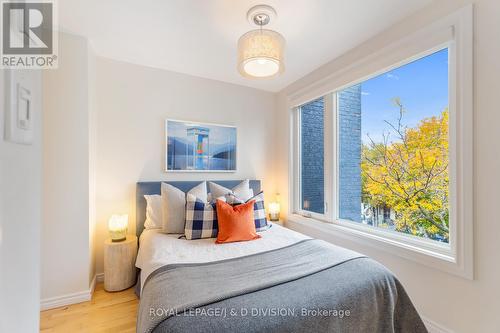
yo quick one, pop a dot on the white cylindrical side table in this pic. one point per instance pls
(119, 263)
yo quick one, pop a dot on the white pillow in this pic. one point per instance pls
(174, 206)
(153, 212)
(242, 190)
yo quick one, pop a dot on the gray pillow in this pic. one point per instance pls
(154, 218)
(174, 206)
(242, 191)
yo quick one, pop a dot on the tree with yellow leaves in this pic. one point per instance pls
(408, 172)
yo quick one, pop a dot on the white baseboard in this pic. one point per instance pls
(434, 327)
(73, 298)
(58, 301)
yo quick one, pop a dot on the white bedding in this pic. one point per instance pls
(157, 249)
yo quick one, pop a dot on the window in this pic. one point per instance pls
(382, 148)
(312, 182)
(393, 150)
(390, 152)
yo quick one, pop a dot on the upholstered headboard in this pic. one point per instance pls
(155, 188)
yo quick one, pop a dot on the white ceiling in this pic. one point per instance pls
(199, 37)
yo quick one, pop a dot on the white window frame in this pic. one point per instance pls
(327, 175)
(455, 33)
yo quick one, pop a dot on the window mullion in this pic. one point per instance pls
(329, 173)
(334, 160)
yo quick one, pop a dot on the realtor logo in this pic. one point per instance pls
(28, 36)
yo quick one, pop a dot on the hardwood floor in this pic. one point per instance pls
(106, 312)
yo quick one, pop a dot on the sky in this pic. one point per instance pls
(422, 87)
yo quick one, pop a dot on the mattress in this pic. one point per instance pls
(157, 249)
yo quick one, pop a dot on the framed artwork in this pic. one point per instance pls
(199, 147)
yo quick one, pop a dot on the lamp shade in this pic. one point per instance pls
(117, 226)
(261, 53)
(274, 211)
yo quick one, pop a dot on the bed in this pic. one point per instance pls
(282, 282)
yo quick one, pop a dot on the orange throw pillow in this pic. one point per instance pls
(236, 223)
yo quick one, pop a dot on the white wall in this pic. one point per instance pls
(20, 219)
(67, 257)
(455, 303)
(92, 186)
(133, 103)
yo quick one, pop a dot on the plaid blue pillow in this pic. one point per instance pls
(259, 212)
(201, 219)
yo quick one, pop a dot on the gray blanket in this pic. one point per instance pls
(310, 286)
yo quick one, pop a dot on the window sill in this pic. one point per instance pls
(429, 253)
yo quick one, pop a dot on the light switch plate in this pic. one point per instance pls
(19, 107)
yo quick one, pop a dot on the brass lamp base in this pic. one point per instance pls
(274, 217)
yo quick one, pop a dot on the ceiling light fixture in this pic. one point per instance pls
(260, 51)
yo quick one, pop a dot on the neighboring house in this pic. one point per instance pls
(381, 216)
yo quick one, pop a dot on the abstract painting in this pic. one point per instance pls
(195, 147)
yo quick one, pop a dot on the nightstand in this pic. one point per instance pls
(119, 264)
